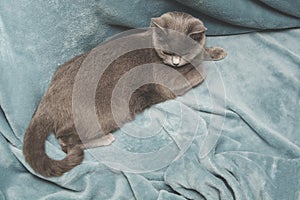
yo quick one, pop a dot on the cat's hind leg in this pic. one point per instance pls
(63, 145)
(97, 142)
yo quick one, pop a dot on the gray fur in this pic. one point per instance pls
(54, 113)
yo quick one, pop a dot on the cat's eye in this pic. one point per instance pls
(168, 53)
(197, 37)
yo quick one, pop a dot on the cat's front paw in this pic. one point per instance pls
(216, 53)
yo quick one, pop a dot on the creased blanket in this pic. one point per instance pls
(246, 143)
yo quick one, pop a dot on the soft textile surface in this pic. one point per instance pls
(257, 155)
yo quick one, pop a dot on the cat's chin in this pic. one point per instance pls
(175, 66)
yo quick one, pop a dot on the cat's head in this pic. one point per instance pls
(184, 24)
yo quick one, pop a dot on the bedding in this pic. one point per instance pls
(246, 144)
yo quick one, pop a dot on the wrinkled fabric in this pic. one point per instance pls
(246, 144)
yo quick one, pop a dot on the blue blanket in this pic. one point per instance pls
(246, 143)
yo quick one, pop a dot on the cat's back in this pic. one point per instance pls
(66, 73)
(58, 97)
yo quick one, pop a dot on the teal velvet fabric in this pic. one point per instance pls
(251, 98)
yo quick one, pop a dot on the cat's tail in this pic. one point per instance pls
(35, 154)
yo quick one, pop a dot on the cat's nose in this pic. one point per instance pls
(176, 60)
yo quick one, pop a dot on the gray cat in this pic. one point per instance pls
(54, 113)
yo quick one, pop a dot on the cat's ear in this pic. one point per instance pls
(157, 22)
(197, 27)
